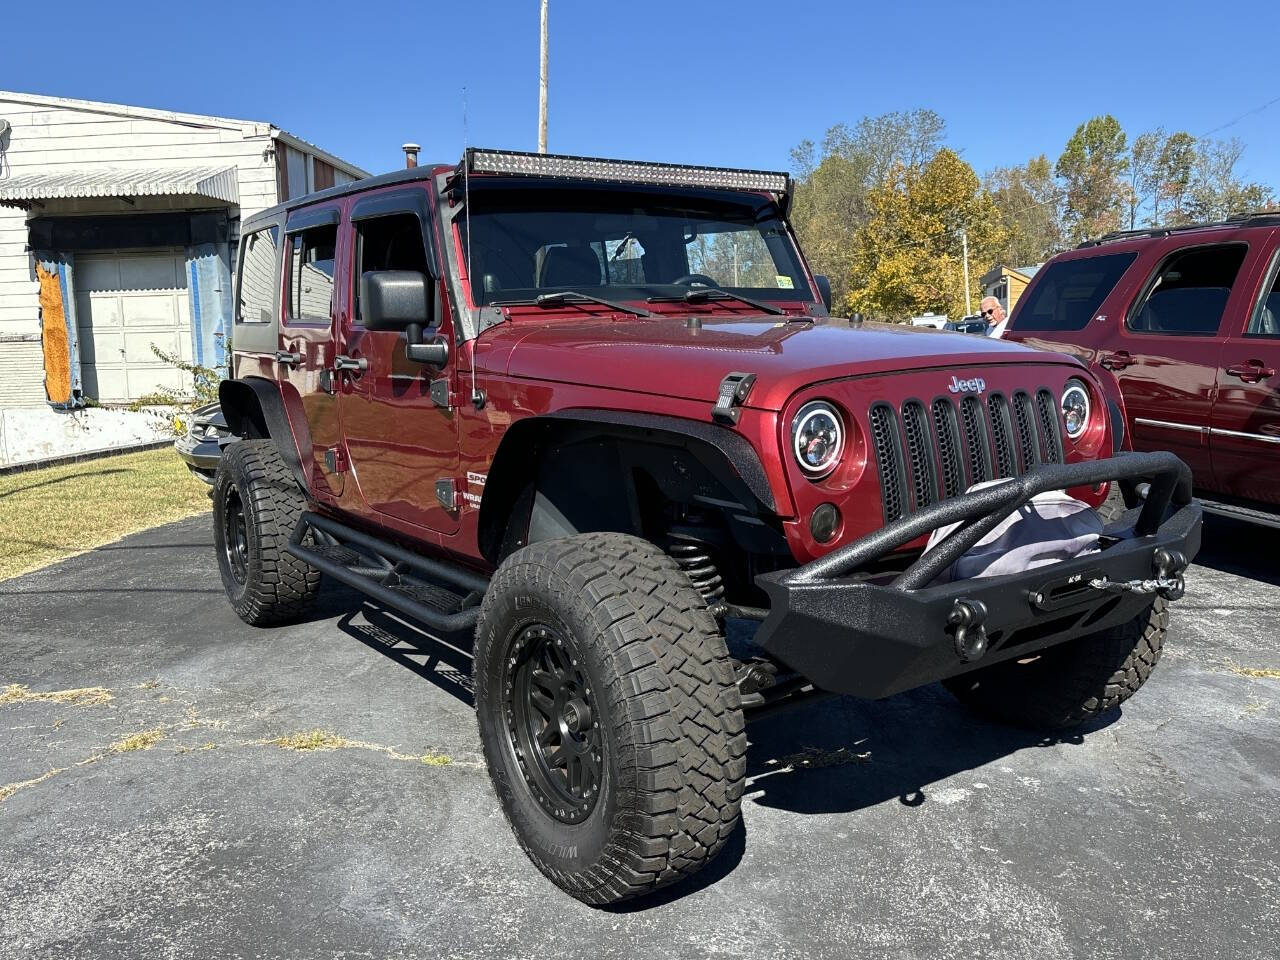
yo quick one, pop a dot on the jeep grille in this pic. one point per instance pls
(924, 455)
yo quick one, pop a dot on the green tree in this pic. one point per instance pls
(1215, 191)
(907, 257)
(833, 182)
(1143, 182)
(1027, 201)
(1171, 199)
(1092, 169)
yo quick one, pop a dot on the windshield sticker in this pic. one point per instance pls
(785, 282)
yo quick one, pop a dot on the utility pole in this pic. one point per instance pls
(964, 243)
(542, 86)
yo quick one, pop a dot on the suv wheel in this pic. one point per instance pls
(256, 504)
(1072, 682)
(609, 715)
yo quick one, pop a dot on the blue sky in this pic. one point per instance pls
(726, 83)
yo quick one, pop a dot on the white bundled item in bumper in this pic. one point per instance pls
(1048, 528)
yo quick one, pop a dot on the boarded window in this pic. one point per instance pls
(259, 277)
(311, 273)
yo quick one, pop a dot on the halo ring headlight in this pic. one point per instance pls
(1076, 408)
(817, 438)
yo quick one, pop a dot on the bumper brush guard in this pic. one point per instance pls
(872, 638)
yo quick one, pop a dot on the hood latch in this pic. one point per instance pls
(733, 394)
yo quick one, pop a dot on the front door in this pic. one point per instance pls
(307, 349)
(400, 441)
(1166, 354)
(1245, 429)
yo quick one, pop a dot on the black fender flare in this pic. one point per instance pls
(253, 407)
(723, 451)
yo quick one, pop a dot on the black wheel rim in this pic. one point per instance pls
(235, 536)
(552, 723)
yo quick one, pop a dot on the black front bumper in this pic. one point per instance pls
(872, 638)
(201, 456)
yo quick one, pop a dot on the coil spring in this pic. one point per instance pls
(698, 566)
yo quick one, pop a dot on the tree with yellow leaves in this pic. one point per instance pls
(908, 256)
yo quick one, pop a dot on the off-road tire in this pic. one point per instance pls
(272, 587)
(666, 700)
(1072, 682)
(1113, 507)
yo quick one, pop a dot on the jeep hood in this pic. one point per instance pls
(674, 358)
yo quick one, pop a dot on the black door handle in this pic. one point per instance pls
(356, 365)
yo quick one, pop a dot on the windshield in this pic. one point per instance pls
(626, 246)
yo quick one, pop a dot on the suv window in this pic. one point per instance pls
(1265, 321)
(1189, 293)
(393, 242)
(258, 277)
(1070, 293)
(311, 273)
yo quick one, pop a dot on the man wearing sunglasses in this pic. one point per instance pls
(993, 314)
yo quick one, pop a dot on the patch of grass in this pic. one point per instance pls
(79, 697)
(313, 740)
(436, 759)
(51, 514)
(9, 789)
(1262, 674)
(143, 740)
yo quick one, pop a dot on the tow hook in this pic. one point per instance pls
(968, 616)
(1168, 581)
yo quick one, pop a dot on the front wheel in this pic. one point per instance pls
(609, 715)
(1067, 684)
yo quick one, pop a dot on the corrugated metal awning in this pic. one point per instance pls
(214, 183)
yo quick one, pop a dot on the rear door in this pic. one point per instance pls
(307, 346)
(1245, 430)
(1165, 353)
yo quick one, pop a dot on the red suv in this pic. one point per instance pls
(584, 411)
(1188, 320)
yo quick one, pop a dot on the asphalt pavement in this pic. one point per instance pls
(155, 803)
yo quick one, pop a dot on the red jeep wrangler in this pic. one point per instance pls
(588, 410)
(1189, 321)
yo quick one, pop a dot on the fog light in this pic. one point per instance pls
(824, 522)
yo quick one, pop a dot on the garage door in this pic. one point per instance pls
(125, 302)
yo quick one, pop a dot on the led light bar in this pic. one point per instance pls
(623, 171)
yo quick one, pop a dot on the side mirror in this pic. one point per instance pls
(393, 299)
(824, 288)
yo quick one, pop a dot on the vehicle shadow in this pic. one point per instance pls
(446, 663)
(842, 755)
(1235, 547)
(838, 755)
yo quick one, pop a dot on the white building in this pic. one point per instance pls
(118, 228)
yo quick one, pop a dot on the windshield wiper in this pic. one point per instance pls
(560, 297)
(702, 294)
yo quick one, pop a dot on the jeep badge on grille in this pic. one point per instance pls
(976, 385)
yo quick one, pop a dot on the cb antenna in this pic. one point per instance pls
(477, 395)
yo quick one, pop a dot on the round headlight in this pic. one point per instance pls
(1075, 408)
(817, 437)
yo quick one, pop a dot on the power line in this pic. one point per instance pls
(1248, 113)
